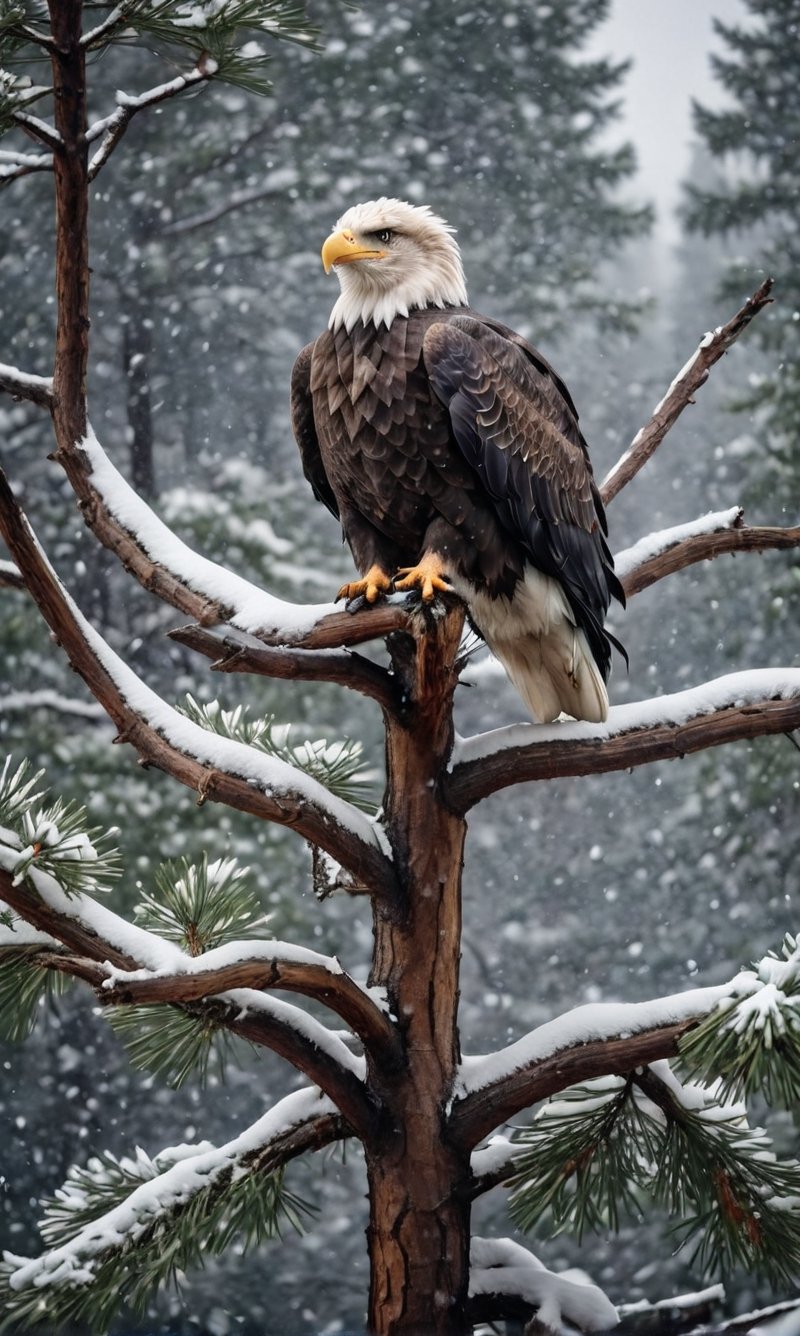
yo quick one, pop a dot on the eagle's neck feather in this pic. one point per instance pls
(364, 298)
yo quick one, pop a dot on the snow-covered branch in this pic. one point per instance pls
(584, 1043)
(103, 946)
(38, 129)
(217, 768)
(187, 1182)
(10, 576)
(726, 709)
(202, 589)
(13, 165)
(686, 383)
(260, 965)
(502, 1271)
(113, 127)
(668, 550)
(38, 389)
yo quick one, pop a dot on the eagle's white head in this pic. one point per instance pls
(391, 258)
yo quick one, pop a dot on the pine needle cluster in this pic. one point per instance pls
(54, 836)
(596, 1152)
(339, 766)
(751, 1041)
(89, 1272)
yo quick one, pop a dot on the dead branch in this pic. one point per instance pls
(232, 655)
(686, 383)
(527, 752)
(21, 385)
(15, 165)
(313, 820)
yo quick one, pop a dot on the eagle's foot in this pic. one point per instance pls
(428, 577)
(374, 585)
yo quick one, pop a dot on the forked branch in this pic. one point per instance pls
(686, 383)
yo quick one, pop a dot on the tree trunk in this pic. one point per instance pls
(418, 1234)
(137, 354)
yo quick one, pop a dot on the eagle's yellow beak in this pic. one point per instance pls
(342, 248)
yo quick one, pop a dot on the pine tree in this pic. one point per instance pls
(196, 968)
(755, 144)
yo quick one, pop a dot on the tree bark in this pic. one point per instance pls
(419, 1178)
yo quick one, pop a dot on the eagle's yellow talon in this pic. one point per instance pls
(374, 585)
(428, 577)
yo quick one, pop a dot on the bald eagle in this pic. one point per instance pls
(450, 451)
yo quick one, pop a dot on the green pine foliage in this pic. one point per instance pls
(751, 1041)
(232, 1201)
(339, 766)
(202, 905)
(55, 837)
(25, 989)
(174, 1043)
(595, 1153)
(755, 145)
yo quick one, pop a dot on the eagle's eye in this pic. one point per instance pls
(384, 237)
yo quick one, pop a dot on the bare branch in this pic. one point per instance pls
(727, 709)
(99, 35)
(21, 385)
(114, 126)
(237, 199)
(686, 383)
(217, 768)
(233, 654)
(584, 1044)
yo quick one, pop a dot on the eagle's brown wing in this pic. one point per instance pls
(305, 432)
(520, 435)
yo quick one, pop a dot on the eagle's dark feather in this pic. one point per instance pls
(449, 447)
(448, 430)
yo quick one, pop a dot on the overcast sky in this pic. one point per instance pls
(670, 44)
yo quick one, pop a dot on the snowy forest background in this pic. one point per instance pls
(207, 282)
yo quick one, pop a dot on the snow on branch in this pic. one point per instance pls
(668, 550)
(739, 705)
(21, 385)
(688, 380)
(202, 589)
(13, 165)
(113, 127)
(256, 966)
(175, 1204)
(104, 947)
(218, 768)
(10, 576)
(501, 1269)
(589, 1041)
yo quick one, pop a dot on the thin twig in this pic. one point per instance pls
(686, 383)
(115, 125)
(21, 385)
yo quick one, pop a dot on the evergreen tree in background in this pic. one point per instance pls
(753, 209)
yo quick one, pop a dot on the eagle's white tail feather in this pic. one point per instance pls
(544, 653)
